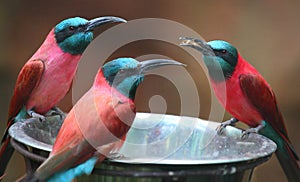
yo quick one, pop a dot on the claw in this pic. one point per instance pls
(56, 111)
(246, 133)
(221, 128)
(33, 114)
(115, 156)
(223, 125)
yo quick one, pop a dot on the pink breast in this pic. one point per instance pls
(60, 69)
(233, 99)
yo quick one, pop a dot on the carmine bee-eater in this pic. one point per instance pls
(97, 122)
(47, 76)
(247, 97)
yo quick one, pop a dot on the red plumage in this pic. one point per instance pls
(249, 98)
(29, 77)
(99, 120)
(42, 82)
(246, 95)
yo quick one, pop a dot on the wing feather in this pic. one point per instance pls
(261, 96)
(28, 79)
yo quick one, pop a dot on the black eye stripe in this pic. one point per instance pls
(68, 31)
(227, 56)
(121, 75)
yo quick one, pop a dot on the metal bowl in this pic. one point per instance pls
(166, 147)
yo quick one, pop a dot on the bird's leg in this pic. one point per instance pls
(56, 111)
(33, 114)
(253, 130)
(226, 123)
(115, 156)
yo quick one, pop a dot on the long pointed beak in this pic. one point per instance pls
(92, 24)
(147, 65)
(197, 44)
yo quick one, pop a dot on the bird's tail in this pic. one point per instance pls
(6, 149)
(5, 154)
(285, 153)
(288, 161)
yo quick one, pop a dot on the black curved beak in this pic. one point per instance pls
(92, 24)
(197, 44)
(148, 65)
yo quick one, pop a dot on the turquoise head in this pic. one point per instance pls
(73, 35)
(125, 74)
(220, 57)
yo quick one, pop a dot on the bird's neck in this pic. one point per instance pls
(230, 88)
(103, 83)
(55, 58)
(50, 52)
(243, 67)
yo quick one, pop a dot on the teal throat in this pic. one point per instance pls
(123, 75)
(129, 86)
(76, 44)
(218, 69)
(71, 35)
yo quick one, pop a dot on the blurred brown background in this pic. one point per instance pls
(265, 32)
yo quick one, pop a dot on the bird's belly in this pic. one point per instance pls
(243, 111)
(51, 89)
(238, 106)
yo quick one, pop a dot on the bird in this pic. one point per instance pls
(247, 96)
(47, 76)
(98, 121)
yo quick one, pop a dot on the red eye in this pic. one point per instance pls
(224, 51)
(71, 28)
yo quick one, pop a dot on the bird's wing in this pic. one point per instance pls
(27, 80)
(81, 136)
(70, 148)
(65, 159)
(261, 96)
(65, 162)
(29, 77)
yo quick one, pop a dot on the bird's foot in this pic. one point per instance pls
(33, 114)
(56, 111)
(246, 133)
(223, 125)
(115, 156)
